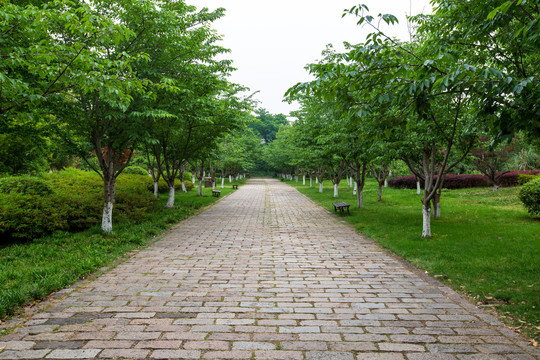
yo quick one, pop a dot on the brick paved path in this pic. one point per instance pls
(263, 274)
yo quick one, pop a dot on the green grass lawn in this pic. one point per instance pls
(485, 244)
(32, 270)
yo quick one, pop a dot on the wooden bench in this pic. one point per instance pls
(216, 193)
(235, 186)
(341, 206)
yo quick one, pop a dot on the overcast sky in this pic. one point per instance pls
(272, 41)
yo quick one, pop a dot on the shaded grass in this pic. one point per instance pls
(485, 244)
(32, 270)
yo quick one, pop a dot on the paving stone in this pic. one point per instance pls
(17, 345)
(380, 356)
(236, 354)
(424, 356)
(279, 355)
(175, 354)
(252, 345)
(329, 355)
(73, 354)
(124, 353)
(60, 345)
(303, 345)
(24, 354)
(206, 345)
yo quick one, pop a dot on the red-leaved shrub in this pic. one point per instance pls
(452, 181)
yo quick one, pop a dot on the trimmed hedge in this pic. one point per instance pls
(529, 194)
(75, 203)
(28, 185)
(462, 181)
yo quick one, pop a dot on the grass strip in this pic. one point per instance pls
(30, 271)
(485, 245)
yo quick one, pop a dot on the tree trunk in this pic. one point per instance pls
(380, 192)
(426, 220)
(223, 182)
(355, 189)
(436, 205)
(360, 198)
(109, 189)
(320, 186)
(304, 179)
(183, 185)
(310, 181)
(193, 179)
(199, 188)
(385, 183)
(418, 188)
(170, 199)
(495, 187)
(156, 189)
(336, 190)
(316, 180)
(230, 179)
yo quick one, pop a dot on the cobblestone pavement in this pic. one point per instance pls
(263, 274)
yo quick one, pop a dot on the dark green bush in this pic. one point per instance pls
(76, 204)
(189, 185)
(135, 170)
(525, 178)
(27, 185)
(529, 194)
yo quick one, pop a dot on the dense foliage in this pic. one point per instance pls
(67, 200)
(529, 194)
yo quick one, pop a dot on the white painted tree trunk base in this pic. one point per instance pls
(321, 187)
(170, 199)
(336, 190)
(199, 188)
(230, 179)
(193, 179)
(316, 180)
(426, 221)
(106, 220)
(304, 179)
(156, 189)
(496, 188)
(310, 182)
(385, 183)
(355, 189)
(183, 186)
(418, 188)
(222, 182)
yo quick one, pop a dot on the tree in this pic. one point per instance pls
(492, 162)
(267, 125)
(498, 41)
(50, 48)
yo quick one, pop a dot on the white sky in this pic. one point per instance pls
(272, 41)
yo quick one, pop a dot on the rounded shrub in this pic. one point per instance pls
(529, 194)
(135, 170)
